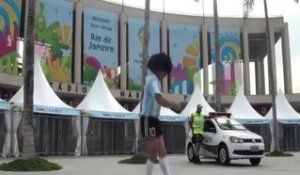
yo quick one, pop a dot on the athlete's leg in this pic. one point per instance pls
(162, 153)
(152, 154)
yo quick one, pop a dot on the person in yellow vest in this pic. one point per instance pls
(196, 123)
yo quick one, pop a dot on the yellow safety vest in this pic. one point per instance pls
(198, 123)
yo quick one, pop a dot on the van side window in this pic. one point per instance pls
(209, 126)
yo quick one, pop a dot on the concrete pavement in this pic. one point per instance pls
(108, 165)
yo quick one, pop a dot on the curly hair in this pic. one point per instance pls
(160, 62)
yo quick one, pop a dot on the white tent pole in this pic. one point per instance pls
(85, 123)
(186, 127)
(272, 146)
(77, 121)
(7, 142)
(136, 141)
(16, 118)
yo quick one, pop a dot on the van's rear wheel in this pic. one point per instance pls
(190, 152)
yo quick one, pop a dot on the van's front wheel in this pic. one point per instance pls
(255, 161)
(223, 155)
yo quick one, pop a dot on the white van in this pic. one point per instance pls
(226, 139)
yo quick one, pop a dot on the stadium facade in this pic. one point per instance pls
(76, 39)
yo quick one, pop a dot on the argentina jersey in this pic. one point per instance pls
(149, 105)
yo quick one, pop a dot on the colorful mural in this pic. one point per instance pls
(135, 49)
(230, 53)
(101, 47)
(54, 39)
(184, 48)
(10, 19)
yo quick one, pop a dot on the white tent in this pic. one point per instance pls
(286, 114)
(4, 104)
(166, 114)
(196, 98)
(45, 101)
(44, 98)
(101, 103)
(289, 121)
(242, 111)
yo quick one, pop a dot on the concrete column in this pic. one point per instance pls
(205, 60)
(286, 60)
(232, 71)
(78, 47)
(273, 73)
(164, 48)
(246, 59)
(259, 76)
(123, 50)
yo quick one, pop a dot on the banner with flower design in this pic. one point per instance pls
(184, 48)
(101, 46)
(230, 55)
(135, 49)
(54, 38)
(10, 19)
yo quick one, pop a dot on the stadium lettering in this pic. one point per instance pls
(130, 94)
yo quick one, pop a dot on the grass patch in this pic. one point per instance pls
(136, 159)
(32, 164)
(278, 154)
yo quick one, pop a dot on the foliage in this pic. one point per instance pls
(278, 154)
(136, 159)
(47, 33)
(8, 63)
(31, 164)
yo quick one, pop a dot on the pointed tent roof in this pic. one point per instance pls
(100, 102)
(196, 98)
(285, 112)
(242, 111)
(166, 114)
(4, 104)
(45, 100)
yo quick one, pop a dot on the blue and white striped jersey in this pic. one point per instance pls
(150, 107)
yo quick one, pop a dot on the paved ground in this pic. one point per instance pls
(108, 165)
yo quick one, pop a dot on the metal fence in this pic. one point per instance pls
(110, 136)
(57, 135)
(53, 135)
(262, 130)
(289, 137)
(118, 137)
(2, 130)
(175, 136)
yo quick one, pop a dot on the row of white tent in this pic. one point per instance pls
(100, 103)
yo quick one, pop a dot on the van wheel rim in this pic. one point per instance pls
(223, 155)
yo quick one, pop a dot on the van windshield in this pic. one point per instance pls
(229, 124)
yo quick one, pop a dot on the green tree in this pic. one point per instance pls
(145, 53)
(146, 40)
(27, 117)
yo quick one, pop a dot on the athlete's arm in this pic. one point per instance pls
(163, 101)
